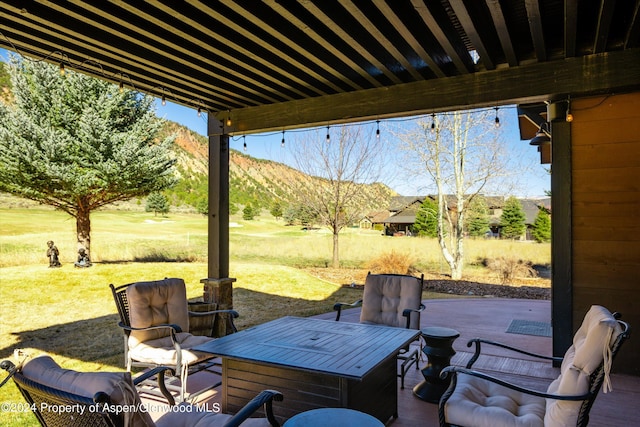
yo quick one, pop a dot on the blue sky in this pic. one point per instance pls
(533, 182)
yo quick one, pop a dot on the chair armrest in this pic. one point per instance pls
(478, 343)
(338, 307)
(407, 313)
(264, 398)
(159, 371)
(455, 370)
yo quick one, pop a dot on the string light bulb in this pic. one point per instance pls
(244, 143)
(378, 129)
(282, 142)
(164, 100)
(62, 70)
(121, 87)
(569, 116)
(497, 120)
(328, 137)
(228, 122)
(433, 122)
(199, 111)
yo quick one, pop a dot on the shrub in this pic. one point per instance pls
(392, 263)
(508, 268)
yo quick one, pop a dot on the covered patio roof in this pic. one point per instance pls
(273, 65)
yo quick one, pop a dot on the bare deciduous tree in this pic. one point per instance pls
(463, 157)
(346, 161)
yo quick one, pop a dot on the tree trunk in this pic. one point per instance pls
(336, 257)
(83, 230)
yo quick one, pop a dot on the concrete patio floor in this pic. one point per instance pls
(489, 318)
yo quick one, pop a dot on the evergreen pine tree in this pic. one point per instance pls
(542, 227)
(78, 143)
(157, 203)
(247, 213)
(477, 217)
(427, 219)
(512, 220)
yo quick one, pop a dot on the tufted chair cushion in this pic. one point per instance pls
(386, 296)
(591, 346)
(154, 303)
(481, 403)
(118, 385)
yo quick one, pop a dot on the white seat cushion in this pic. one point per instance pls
(481, 403)
(162, 352)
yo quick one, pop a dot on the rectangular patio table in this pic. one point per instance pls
(314, 363)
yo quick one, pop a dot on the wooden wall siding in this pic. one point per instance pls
(605, 137)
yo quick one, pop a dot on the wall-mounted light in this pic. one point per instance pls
(542, 136)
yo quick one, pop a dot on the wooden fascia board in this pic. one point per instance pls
(579, 76)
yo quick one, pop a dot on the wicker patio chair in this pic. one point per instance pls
(110, 399)
(391, 300)
(477, 399)
(154, 317)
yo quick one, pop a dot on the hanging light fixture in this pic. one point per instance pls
(497, 119)
(569, 116)
(542, 136)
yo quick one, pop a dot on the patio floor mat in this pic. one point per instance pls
(529, 327)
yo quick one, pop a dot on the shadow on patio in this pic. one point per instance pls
(490, 318)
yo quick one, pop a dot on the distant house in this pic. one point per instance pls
(403, 209)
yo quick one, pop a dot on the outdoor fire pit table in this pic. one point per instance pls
(439, 350)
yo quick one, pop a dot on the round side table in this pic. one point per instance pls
(335, 417)
(439, 350)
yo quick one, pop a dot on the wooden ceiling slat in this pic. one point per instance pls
(633, 34)
(118, 64)
(440, 35)
(570, 27)
(275, 82)
(408, 36)
(470, 29)
(535, 26)
(500, 25)
(162, 52)
(381, 38)
(604, 25)
(345, 59)
(293, 44)
(362, 50)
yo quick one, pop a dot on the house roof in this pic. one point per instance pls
(274, 65)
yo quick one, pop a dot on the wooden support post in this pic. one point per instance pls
(218, 285)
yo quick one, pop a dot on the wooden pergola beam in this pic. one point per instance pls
(601, 73)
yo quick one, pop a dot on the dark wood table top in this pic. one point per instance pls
(349, 350)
